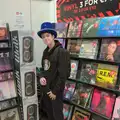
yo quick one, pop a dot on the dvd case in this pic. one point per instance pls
(110, 49)
(82, 94)
(74, 29)
(62, 42)
(88, 72)
(69, 89)
(80, 114)
(67, 111)
(74, 69)
(116, 113)
(106, 75)
(61, 29)
(89, 48)
(103, 102)
(90, 27)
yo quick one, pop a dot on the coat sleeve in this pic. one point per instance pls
(63, 68)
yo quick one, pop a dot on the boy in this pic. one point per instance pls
(56, 70)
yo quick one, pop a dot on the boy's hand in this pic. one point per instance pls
(51, 95)
(43, 81)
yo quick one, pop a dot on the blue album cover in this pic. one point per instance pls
(108, 23)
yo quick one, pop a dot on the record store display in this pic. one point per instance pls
(74, 29)
(93, 87)
(89, 49)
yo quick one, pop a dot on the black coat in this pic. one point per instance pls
(56, 68)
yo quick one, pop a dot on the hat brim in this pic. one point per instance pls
(52, 31)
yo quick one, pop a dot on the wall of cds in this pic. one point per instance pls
(8, 94)
(92, 92)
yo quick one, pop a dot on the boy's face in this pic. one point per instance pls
(47, 38)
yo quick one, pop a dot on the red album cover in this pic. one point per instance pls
(67, 109)
(116, 113)
(3, 31)
(75, 28)
(110, 49)
(73, 46)
(69, 89)
(103, 102)
(82, 94)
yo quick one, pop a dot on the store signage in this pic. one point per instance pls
(70, 10)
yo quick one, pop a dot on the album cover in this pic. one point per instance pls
(89, 49)
(88, 72)
(23, 48)
(12, 88)
(11, 114)
(3, 31)
(80, 114)
(62, 42)
(4, 91)
(90, 27)
(67, 110)
(74, 29)
(74, 69)
(110, 49)
(106, 75)
(82, 94)
(73, 46)
(61, 29)
(109, 27)
(103, 102)
(116, 113)
(69, 89)
(3, 45)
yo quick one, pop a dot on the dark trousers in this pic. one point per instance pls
(53, 108)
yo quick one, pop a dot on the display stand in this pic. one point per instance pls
(88, 93)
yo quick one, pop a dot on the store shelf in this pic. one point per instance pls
(94, 60)
(86, 109)
(9, 108)
(8, 99)
(117, 92)
(6, 71)
(5, 40)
